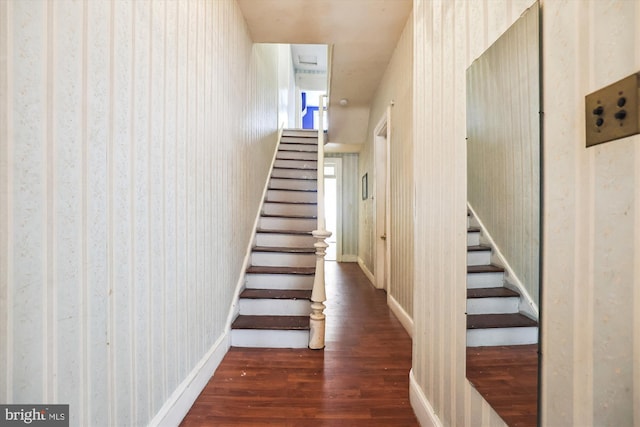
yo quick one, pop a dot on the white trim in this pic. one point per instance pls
(421, 407)
(366, 271)
(349, 258)
(176, 407)
(527, 304)
(401, 314)
(381, 206)
(337, 163)
(234, 308)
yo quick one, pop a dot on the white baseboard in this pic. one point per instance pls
(421, 407)
(181, 400)
(401, 314)
(366, 271)
(349, 258)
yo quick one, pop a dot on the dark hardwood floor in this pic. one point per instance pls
(507, 377)
(360, 379)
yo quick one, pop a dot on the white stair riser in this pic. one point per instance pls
(296, 164)
(291, 196)
(485, 280)
(294, 173)
(473, 238)
(492, 305)
(275, 259)
(278, 281)
(274, 307)
(502, 336)
(312, 148)
(297, 155)
(297, 224)
(289, 209)
(284, 240)
(293, 184)
(478, 258)
(269, 338)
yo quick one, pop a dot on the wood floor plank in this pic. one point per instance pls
(507, 377)
(361, 378)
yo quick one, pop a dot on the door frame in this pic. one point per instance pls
(337, 162)
(381, 208)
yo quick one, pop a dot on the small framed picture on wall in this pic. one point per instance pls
(365, 186)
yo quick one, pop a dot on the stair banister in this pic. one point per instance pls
(318, 295)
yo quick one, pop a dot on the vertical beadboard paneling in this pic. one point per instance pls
(590, 280)
(503, 147)
(127, 203)
(447, 36)
(6, 344)
(28, 233)
(396, 86)
(98, 131)
(68, 212)
(350, 199)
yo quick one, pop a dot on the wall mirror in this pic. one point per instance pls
(503, 200)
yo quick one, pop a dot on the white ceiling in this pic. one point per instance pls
(363, 33)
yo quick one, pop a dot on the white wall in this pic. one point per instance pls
(591, 264)
(396, 86)
(286, 87)
(591, 220)
(135, 138)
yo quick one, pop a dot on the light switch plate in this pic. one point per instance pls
(612, 112)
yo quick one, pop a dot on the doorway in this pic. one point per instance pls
(333, 206)
(381, 193)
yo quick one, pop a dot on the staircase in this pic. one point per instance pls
(493, 317)
(275, 305)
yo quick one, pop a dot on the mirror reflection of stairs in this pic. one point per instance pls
(493, 316)
(275, 305)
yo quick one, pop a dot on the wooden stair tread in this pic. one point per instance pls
(270, 231)
(276, 294)
(284, 249)
(289, 189)
(488, 321)
(308, 139)
(311, 155)
(292, 190)
(264, 215)
(264, 269)
(491, 293)
(292, 178)
(283, 147)
(284, 323)
(290, 203)
(296, 159)
(478, 248)
(296, 167)
(484, 269)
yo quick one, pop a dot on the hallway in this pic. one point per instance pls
(361, 378)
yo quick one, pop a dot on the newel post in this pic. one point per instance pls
(318, 295)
